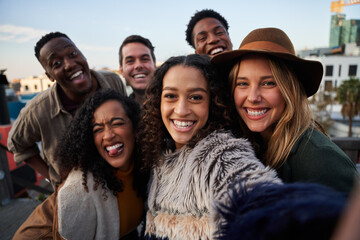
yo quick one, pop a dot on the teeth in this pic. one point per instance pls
(109, 148)
(139, 76)
(76, 74)
(256, 113)
(216, 50)
(182, 124)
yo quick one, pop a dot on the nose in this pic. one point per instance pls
(213, 38)
(254, 95)
(108, 133)
(68, 64)
(138, 64)
(181, 107)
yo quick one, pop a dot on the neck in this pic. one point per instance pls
(139, 97)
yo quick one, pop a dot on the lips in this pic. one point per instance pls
(75, 75)
(139, 76)
(256, 112)
(217, 50)
(183, 124)
(114, 149)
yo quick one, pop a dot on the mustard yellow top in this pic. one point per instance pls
(131, 207)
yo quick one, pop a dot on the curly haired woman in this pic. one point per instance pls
(192, 158)
(102, 193)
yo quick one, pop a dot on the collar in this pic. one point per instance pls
(54, 98)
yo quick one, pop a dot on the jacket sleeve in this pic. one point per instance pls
(24, 135)
(39, 225)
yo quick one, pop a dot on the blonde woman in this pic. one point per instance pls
(269, 88)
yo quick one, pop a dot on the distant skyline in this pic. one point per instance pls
(99, 27)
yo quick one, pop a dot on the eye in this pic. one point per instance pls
(145, 59)
(241, 83)
(169, 95)
(117, 123)
(97, 129)
(269, 83)
(219, 32)
(201, 38)
(73, 53)
(196, 97)
(56, 64)
(129, 61)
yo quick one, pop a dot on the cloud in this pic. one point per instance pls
(94, 48)
(19, 34)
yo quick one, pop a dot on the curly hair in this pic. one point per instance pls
(137, 39)
(153, 135)
(77, 149)
(206, 13)
(46, 38)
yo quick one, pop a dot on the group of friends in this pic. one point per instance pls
(219, 144)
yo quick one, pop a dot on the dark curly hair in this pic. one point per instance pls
(152, 133)
(46, 38)
(137, 39)
(77, 149)
(206, 13)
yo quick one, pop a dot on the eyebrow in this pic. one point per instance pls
(212, 30)
(190, 90)
(262, 78)
(111, 120)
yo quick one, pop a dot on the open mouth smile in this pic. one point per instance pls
(216, 50)
(183, 124)
(115, 149)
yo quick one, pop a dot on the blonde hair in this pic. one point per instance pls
(297, 115)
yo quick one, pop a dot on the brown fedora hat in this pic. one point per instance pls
(274, 42)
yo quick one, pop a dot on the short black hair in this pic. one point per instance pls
(46, 38)
(206, 13)
(137, 39)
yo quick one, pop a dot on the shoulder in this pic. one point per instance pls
(109, 79)
(315, 144)
(222, 140)
(42, 99)
(72, 188)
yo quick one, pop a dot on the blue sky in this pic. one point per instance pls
(99, 27)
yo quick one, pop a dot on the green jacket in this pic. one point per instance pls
(315, 158)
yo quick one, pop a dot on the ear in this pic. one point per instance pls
(121, 70)
(50, 78)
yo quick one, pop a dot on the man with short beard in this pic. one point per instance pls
(47, 115)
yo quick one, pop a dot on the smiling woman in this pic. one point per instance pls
(102, 190)
(193, 158)
(270, 87)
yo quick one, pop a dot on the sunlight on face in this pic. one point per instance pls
(185, 102)
(257, 97)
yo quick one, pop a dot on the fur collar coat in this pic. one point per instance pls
(185, 189)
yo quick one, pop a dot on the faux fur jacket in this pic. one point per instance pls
(187, 185)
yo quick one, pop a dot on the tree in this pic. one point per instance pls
(348, 94)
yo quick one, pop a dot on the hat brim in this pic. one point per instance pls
(308, 72)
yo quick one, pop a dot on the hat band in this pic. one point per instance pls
(265, 45)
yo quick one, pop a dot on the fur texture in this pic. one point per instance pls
(289, 211)
(188, 182)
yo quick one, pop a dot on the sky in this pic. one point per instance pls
(99, 27)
